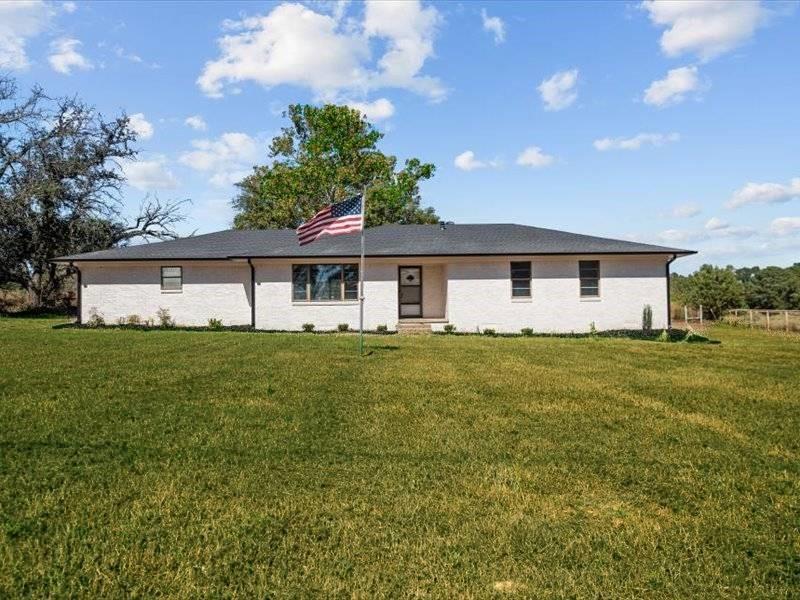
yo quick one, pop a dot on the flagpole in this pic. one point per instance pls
(361, 276)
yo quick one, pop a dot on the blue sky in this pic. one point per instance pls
(675, 123)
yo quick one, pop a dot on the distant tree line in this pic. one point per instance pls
(719, 289)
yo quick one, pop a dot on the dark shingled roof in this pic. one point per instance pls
(386, 240)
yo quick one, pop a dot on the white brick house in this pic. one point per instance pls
(503, 277)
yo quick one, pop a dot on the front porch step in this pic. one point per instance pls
(413, 328)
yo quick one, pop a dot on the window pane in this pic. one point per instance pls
(170, 271)
(410, 276)
(170, 283)
(520, 270)
(299, 280)
(326, 282)
(590, 288)
(351, 282)
(589, 268)
(521, 288)
(410, 294)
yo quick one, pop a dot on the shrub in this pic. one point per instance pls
(692, 337)
(308, 327)
(214, 323)
(449, 328)
(95, 319)
(647, 318)
(527, 331)
(164, 318)
(490, 332)
(382, 329)
(343, 327)
(663, 336)
(134, 320)
(592, 329)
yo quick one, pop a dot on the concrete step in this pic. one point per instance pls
(413, 328)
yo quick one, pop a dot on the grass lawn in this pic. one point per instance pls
(233, 464)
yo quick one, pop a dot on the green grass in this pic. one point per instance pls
(192, 464)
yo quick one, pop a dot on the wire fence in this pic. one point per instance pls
(771, 320)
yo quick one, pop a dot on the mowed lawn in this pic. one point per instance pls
(234, 464)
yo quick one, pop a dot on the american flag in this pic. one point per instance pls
(335, 219)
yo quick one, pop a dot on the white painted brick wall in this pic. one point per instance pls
(477, 294)
(210, 289)
(275, 308)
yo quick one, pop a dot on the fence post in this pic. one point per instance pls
(751, 317)
(767, 320)
(701, 316)
(786, 319)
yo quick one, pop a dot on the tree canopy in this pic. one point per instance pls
(60, 188)
(328, 154)
(720, 289)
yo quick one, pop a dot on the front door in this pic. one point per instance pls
(410, 292)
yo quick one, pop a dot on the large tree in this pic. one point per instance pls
(715, 288)
(60, 184)
(328, 154)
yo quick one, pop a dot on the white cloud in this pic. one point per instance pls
(495, 26)
(558, 92)
(227, 159)
(716, 224)
(765, 193)
(636, 142)
(685, 210)
(785, 225)
(378, 110)
(707, 28)
(329, 54)
(69, 7)
(20, 21)
(142, 127)
(65, 57)
(673, 88)
(149, 175)
(196, 122)
(466, 161)
(714, 229)
(534, 157)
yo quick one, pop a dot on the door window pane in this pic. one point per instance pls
(410, 276)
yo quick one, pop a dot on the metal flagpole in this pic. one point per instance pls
(361, 277)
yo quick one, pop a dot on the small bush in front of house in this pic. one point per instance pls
(381, 329)
(449, 329)
(490, 332)
(526, 331)
(663, 336)
(692, 337)
(308, 327)
(647, 318)
(343, 327)
(95, 319)
(592, 329)
(164, 318)
(214, 323)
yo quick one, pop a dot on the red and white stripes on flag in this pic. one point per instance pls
(335, 219)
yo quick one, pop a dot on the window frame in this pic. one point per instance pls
(343, 281)
(178, 277)
(582, 278)
(528, 279)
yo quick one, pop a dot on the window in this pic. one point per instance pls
(324, 283)
(521, 279)
(171, 279)
(589, 271)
